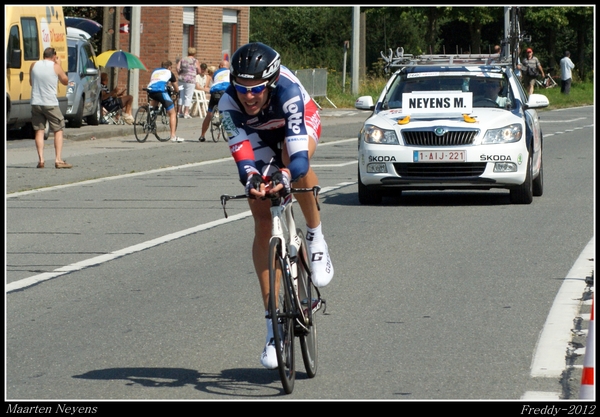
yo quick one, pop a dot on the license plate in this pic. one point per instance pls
(440, 156)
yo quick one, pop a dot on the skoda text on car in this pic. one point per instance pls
(451, 122)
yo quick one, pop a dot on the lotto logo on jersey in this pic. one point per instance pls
(294, 117)
(229, 126)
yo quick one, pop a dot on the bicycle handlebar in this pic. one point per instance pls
(274, 197)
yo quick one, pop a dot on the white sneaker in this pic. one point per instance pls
(177, 139)
(187, 116)
(322, 268)
(268, 358)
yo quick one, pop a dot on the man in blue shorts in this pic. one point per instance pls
(273, 126)
(158, 91)
(219, 85)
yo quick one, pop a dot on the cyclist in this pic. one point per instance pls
(273, 127)
(158, 90)
(220, 84)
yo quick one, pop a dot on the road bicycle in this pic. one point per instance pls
(547, 82)
(217, 130)
(293, 299)
(156, 120)
(516, 36)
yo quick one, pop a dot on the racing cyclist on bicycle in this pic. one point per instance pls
(273, 126)
(218, 87)
(158, 90)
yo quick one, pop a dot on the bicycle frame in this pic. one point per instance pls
(283, 228)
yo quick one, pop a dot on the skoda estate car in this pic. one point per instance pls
(461, 124)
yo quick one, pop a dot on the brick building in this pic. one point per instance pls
(167, 32)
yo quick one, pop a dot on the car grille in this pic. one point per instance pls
(440, 170)
(430, 138)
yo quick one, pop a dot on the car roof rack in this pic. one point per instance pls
(398, 59)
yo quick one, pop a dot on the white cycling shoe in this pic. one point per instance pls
(322, 268)
(268, 358)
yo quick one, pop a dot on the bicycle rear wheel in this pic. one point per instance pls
(309, 300)
(141, 123)
(216, 126)
(281, 309)
(163, 126)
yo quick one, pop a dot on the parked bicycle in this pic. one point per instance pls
(217, 130)
(293, 298)
(156, 120)
(547, 82)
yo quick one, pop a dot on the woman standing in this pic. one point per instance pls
(187, 68)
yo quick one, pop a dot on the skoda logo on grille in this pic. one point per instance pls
(439, 131)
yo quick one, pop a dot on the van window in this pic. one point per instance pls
(31, 39)
(14, 41)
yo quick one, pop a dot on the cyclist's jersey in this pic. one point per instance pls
(220, 80)
(159, 79)
(255, 141)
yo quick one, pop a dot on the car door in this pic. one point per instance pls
(88, 81)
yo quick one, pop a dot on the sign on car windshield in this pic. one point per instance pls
(434, 102)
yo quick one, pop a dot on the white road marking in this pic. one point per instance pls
(549, 357)
(78, 266)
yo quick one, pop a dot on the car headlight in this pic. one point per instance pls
(373, 134)
(507, 134)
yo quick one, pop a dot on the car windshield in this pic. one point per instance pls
(488, 89)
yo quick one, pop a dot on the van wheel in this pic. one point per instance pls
(77, 121)
(94, 118)
(27, 131)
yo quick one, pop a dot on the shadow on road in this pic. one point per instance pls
(241, 382)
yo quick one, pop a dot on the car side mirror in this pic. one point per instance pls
(537, 101)
(364, 103)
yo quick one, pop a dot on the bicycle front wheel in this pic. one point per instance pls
(309, 300)
(141, 123)
(281, 310)
(163, 126)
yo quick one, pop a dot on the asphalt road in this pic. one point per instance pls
(125, 282)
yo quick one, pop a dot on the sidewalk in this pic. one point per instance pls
(86, 132)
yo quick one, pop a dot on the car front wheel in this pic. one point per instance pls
(367, 196)
(94, 118)
(523, 194)
(77, 119)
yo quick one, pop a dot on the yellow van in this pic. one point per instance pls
(30, 30)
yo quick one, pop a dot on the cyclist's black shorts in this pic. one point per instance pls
(214, 99)
(162, 97)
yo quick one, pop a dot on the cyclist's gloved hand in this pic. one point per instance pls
(254, 181)
(282, 177)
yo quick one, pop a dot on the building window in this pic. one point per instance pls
(188, 28)
(230, 22)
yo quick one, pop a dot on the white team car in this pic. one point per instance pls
(455, 126)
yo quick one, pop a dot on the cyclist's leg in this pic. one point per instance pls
(260, 255)
(209, 113)
(319, 253)
(261, 213)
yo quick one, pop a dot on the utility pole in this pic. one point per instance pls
(135, 29)
(110, 36)
(355, 48)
